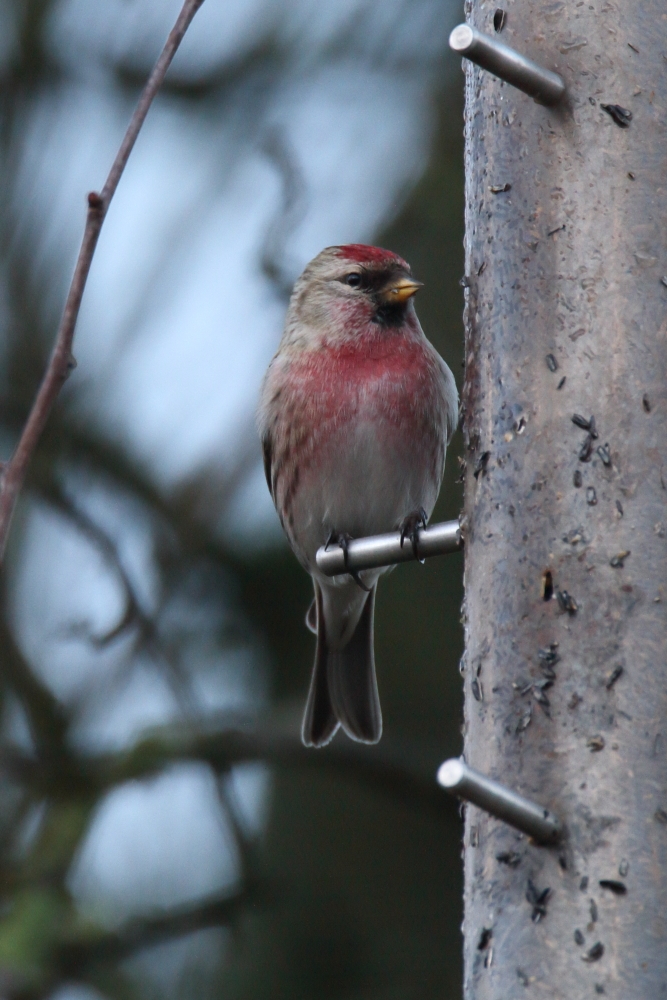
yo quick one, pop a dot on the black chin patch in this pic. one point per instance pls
(390, 314)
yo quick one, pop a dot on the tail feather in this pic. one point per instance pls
(343, 688)
(311, 616)
(319, 720)
(352, 683)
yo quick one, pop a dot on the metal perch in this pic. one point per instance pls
(496, 57)
(385, 550)
(459, 779)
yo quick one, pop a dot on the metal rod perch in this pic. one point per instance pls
(459, 779)
(385, 550)
(496, 57)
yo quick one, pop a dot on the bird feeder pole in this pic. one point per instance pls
(565, 526)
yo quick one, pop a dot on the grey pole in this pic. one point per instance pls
(499, 59)
(471, 786)
(565, 670)
(385, 550)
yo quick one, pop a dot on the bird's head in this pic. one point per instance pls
(346, 288)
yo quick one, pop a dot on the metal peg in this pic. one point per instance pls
(385, 550)
(459, 779)
(542, 84)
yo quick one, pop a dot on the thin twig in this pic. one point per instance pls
(61, 361)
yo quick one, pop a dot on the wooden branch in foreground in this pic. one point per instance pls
(61, 361)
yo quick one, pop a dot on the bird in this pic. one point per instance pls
(355, 414)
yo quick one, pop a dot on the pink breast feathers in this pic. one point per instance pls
(395, 374)
(389, 382)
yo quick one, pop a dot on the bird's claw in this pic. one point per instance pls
(342, 539)
(410, 526)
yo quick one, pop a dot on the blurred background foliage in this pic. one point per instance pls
(162, 833)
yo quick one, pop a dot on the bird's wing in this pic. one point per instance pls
(450, 398)
(267, 451)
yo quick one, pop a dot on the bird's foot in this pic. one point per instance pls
(410, 526)
(341, 540)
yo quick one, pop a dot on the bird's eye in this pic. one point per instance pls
(353, 280)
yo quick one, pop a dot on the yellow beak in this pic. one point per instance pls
(402, 290)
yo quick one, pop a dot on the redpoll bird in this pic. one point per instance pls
(355, 414)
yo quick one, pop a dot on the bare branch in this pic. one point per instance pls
(61, 361)
(289, 215)
(134, 618)
(142, 932)
(86, 953)
(243, 841)
(225, 742)
(133, 614)
(46, 719)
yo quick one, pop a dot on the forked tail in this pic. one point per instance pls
(343, 688)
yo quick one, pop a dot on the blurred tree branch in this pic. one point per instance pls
(134, 618)
(77, 950)
(67, 444)
(274, 261)
(224, 743)
(61, 360)
(46, 719)
(271, 740)
(56, 944)
(133, 615)
(85, 949)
